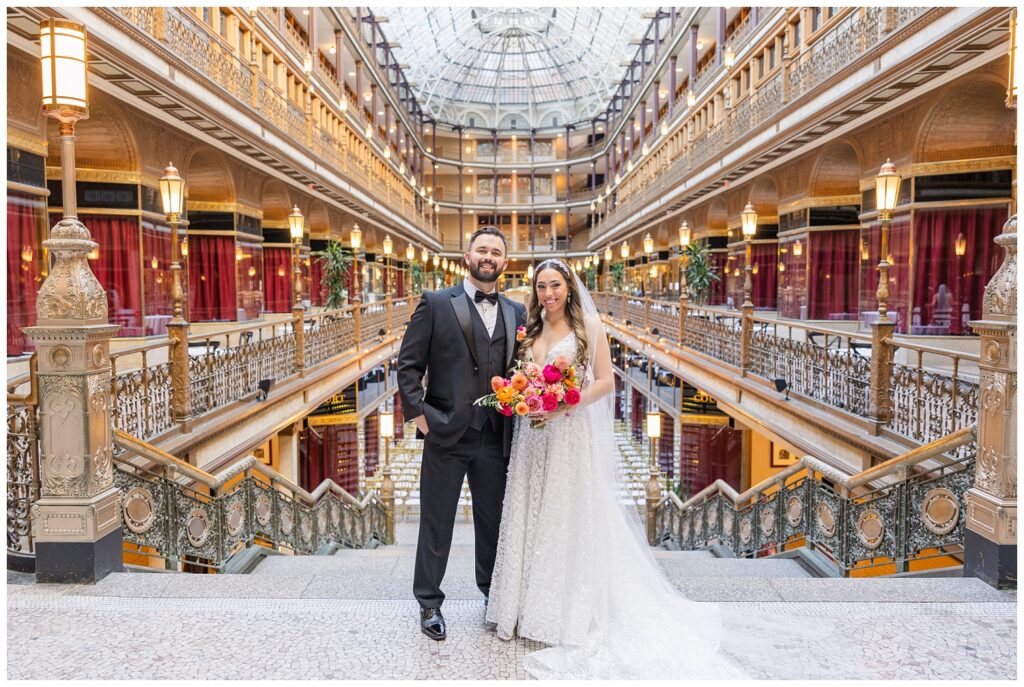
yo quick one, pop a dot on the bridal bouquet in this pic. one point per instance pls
(534, 390)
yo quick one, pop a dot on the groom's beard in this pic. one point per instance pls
(489, 276)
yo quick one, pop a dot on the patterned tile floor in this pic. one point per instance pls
(351, 616)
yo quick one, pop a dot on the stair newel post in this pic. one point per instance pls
(746, 329)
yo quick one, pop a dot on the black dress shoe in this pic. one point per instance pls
(432, 623)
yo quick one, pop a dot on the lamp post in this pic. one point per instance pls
(624, 254)
(388, 245)
(410, 255)
(297, 225)
(172, 196)
(77, 519)
(437, 261)
(653, 485)
(355, 240)
(386, 424)
(684, 242)
(748, 218)
(887, 190)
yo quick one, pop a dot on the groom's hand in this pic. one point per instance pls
(421, 423)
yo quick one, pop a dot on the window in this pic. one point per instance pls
(513, 123)
(472, 121)
(815, 19)
(797, 37)
(554, 120)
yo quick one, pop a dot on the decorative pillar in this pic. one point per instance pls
(990, 537)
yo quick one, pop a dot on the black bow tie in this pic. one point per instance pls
(491, 297)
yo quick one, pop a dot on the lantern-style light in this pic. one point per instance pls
(386, 424)
(730, 57)
(608, 253)
(664, 128)
(691, 98)
(593, 206)
(653, 271)
(307, 64)
(798, 249)
(369, 130)
(654, 425)
(960, 246)
(296, 223)
(648, 243)
(355, 237)
(596, 259)
(684, 234)
(387, 152)
(343, 104)
(887, 187)
(444, 264)
(624, 250)
(753, 270)
(437, 259)
(782, 266)
(410, 253)
(586, 262)
(62, 51)
(172, 191)
(748, 218)
(424, 255)
(388, 245)
(644, 149)
(184, 248)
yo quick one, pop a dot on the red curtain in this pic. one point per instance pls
(764, 284)
(212, 278)
(371, 438)
(833, 272)
(249, 261)
(899, 272)
(717, 261)
(948, 289)
(330, 451)
(317, 288)
(119, 268)
(793, 280)
(399, 417)
(24, 225)
(156, 255)
(277, 278)
(707, 453)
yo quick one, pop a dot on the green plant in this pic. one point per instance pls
(700, 273)
(417, 277)
(336, 263)
(618, 272)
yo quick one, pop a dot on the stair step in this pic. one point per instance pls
(680, 567)
(851, 590)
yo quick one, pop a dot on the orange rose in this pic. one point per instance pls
(519, 381)
(505, 394)
(522, 408)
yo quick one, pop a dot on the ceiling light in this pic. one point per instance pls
(305, 12)
(352, 74)
(332, 50)
(700, 45)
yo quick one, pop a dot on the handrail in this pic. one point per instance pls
(959, 438)
(151, 452)
(924, 348)
(32, 397)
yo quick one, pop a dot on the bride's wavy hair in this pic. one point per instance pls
(573, 310)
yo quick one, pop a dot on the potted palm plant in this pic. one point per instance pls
(336, 263)
(700, 273)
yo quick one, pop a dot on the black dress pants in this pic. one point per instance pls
(478, 454)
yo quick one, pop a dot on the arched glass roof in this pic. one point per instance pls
(529, 62)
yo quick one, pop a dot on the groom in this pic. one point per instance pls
(456, 341)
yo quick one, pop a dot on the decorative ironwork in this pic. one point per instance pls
(928, 404)
(714, 333)
(22, 474)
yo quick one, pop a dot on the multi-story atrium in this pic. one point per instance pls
(798, 223)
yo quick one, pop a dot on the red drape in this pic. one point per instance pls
(718, 291)
(318, 292)
(156, 255)
(119, 268)
(371, 438)
(763, 284)
(399, 418)
(948, 289)
(793, 280)
(708, 453)
(25, 216)
(832, 263)
(249, 260)
(277, 279)
(330, 451)
(212, 278)
(899, 269)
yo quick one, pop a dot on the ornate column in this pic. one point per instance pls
(990, 539)
(77, 519)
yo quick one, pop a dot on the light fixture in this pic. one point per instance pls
(798, 249)
(437, 259)
(664, 128)
(332, 50)
(387, 152)
(343, 104)
(754, 268)
(62, 51)
(401, 168)
(782, 266)
(748, 218)
(368, 130)
(424, 256)
(960, 245)
(307, 64)
(684, 234)
(700, 45)
(648, 243)
(387, 245)
(654, 425)
(730, 57)
(444, 264)
(172, 191)
(608, 253)
(887, 187)
(386, 424)
(155, 263)
(410, 253)
(252, 271)
(184, 247)
(593, 206)
(295, 223)
(644, 149)
(529, 272)
(355, 237)
(691, 98)
(624, 250)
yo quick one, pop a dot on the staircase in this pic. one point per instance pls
(351, 615)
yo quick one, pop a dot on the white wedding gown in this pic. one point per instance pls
(574, 570)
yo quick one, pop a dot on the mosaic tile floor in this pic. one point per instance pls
(351, 616)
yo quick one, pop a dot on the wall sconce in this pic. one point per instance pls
(960, 246)
(798, 249)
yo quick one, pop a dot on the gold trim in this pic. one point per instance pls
(686, 419)
(810, 230)
(121, 212)
(326, 420)
(932, 204)
(27, 188)
(108, 176)
(209, 206)
(920, 169)
(275, 224)
(27, 142)
(820, 201)
(212, 232)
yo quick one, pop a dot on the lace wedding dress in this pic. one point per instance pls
(574, 570)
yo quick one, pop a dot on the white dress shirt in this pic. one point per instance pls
(488, 312)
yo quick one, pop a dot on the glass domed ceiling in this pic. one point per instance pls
(548, 65)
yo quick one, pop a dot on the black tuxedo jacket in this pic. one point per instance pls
(438, 346)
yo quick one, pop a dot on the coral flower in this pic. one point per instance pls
(521, 333)
(497, 382)
(505, 410)
(549, 402)
(532, 370)
(572, 397)
(552, 374)
(505, 394)
(562, 363)
(531, 391)
(534, 403)
(519, 381)
(555, 390)
(522, 409)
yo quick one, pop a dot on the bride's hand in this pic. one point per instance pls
(547, 418)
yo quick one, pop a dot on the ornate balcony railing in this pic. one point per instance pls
(890, 515)
(190, 519)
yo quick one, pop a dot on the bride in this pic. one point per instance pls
(573, 567)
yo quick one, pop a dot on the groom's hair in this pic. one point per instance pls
(491, 230)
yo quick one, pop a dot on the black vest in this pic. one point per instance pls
(490, 356)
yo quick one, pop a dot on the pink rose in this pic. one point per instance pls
(552, 374)
(572, 397)
(549, 402)
(532, 370)
(531, 391)
(556, 390)
(534, 403)
(561, 362)
(507, 411)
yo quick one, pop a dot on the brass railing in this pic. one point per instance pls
(22, 461)
(890, 515)
(191, 520)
